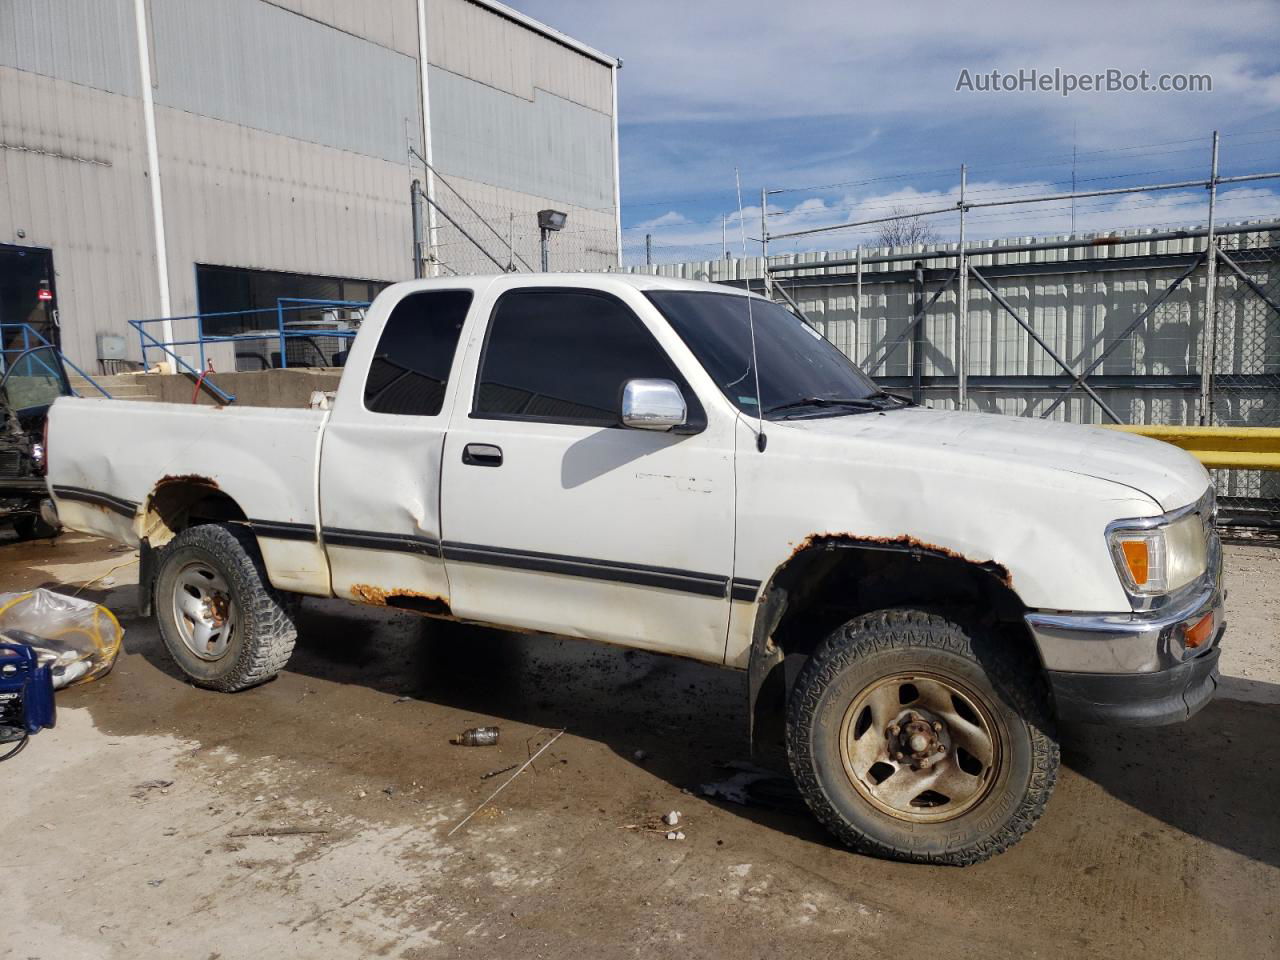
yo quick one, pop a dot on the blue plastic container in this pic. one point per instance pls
(26, 693)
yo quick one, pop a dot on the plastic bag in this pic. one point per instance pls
(79, 639)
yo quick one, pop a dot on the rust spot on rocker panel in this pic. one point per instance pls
(402, 599)
(904, 542)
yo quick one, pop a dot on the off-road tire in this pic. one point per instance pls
(266, 633)
(864, 651)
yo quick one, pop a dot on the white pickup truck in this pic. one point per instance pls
(917, 596)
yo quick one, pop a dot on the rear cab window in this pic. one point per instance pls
(411, 364)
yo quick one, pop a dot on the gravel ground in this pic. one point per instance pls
(1158, 843)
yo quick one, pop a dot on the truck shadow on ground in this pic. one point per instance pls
(1208, 778)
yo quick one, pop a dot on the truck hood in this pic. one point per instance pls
(1170, 476)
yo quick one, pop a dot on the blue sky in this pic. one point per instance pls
(852, 107)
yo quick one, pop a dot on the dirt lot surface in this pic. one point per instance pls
(1158, 843)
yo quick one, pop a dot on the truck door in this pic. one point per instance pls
(380, 462)
(558, 518)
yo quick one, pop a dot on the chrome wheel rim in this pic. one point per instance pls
(203, 610)
(921, 747)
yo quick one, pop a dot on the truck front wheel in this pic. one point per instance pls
(914, 738)
(222, 622)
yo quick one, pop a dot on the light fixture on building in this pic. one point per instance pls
(549, 222)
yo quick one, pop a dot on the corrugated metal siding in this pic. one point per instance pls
(391, 23)
(89, 42)
(550, 147)
(1079, 314)
(95, 216)
(258, 65)
(471, 41)
(325, 191)
(240, 197)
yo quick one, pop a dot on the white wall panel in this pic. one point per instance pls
(551, 146)
(89, 42)
(93, 212)
(261, 66)
(243, 198)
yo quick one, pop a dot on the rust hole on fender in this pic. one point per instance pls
(401, 599)
(188, 478)
(905, 543)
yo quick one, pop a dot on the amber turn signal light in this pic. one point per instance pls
(1198, 633)
(1137, 559)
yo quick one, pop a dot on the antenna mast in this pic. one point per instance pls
(761, 439)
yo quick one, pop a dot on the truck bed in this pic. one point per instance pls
(110, 461)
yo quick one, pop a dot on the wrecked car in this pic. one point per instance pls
(918, 598)
(30, 382)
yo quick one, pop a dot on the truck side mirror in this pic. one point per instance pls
(652, 405)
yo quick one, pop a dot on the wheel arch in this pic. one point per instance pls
(174, 504)
(831, 578)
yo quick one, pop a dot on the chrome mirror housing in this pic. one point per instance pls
(653, 405)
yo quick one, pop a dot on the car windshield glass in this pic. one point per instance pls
(34, 379)
(800, 371)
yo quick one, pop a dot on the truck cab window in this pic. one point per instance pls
(562, 356)
(410, 366)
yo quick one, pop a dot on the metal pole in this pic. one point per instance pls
(1209, 328)
(764, 243)
(648, 250)
(917, 338)
(433, 228)
(857, 306)
(546, 236)
(284, 358)
(511, 242)
(962, 308)
(153, 169)
(415, 207)
(724, 237)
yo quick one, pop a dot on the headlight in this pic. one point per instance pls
(1160, 558)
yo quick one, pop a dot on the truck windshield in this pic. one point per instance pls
(34, 379)
(800, 372)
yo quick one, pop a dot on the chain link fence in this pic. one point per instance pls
(1064, 327)
(1245, 389)
(469, 229)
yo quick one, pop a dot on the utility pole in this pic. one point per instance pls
(1209, 330)
(415, 206)
(724, 237)
(648, 249)
(962, 305)
(764, 242)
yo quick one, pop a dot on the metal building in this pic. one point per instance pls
(160, 158)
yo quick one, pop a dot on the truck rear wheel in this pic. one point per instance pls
(222, 622)
(914, 738)
(32, 527)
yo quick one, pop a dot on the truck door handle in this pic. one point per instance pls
(482, 455)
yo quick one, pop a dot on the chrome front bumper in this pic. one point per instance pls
(1140, 642)
(1134, 668)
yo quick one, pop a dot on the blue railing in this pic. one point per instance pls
(31, 340)
(284, 308)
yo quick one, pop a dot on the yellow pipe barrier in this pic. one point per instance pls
(1235, 448)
